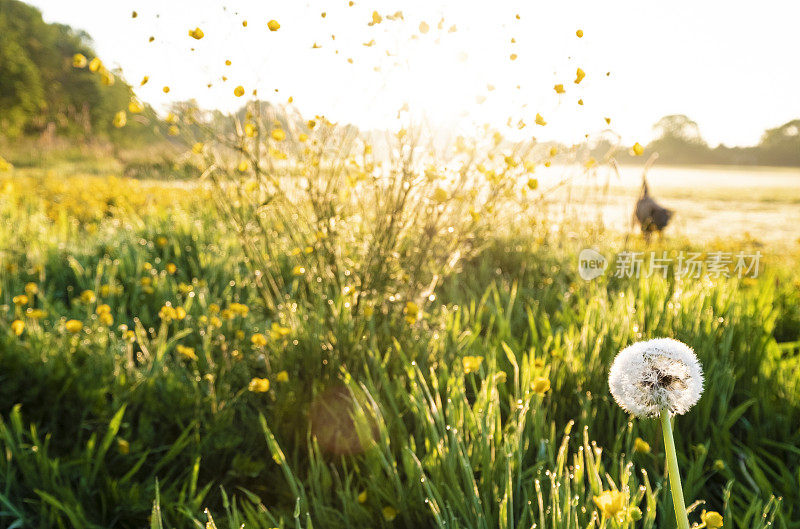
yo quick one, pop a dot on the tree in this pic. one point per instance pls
(678, 140)
(40, 88)
(781, 145)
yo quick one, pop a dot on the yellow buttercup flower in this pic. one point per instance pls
(638, 150)
(277, 331)
(144, 80)
(640, 446)
(411, 311)
(440, 195)
(250, 130)
(362, 497)
(579, 33)
(610, 503)
(35, 314)
(171, 268)
(167, 313)
(165, 90)
(79, 61)
(273, 25)
(73, 326)
(106, 319)
(471, 363)
(239, 308)
(107, 78)
(579, 75)
(559, 88)
(120, 119)
(95, 64)
(135, 106)
(283, 376)
(88, 296)
(278, 134)
(17, 327)
(712, 519)
(540, 385)
(173, 130)
(186, 352)
(258, 385)
(31, 289)
(196, 33)
(258, 339)
(238, 91)
(540, 120)
(389, 513)
(533, 183)
(123, 446)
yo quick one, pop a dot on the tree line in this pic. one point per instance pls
(51, 82)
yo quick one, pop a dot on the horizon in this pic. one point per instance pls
(464, 79)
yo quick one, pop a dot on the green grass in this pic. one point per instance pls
(378, 417)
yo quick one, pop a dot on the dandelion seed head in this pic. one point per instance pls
(654, 374)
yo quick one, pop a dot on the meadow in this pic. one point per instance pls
(165, 364)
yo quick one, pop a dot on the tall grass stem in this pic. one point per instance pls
(674, 474)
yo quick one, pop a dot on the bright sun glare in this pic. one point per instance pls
(459, 65)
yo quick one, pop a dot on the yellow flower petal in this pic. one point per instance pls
(389, 513)
(79, 61)
(540, 385)
(471, 363)
(120, 119)
(258, 385)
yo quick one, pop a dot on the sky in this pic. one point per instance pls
(729, 65)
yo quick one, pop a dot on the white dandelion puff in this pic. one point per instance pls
(655, 375)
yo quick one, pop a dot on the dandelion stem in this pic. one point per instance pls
(674, 474)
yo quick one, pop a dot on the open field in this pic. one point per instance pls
(757, 203)
(358, 265)
(135, 389)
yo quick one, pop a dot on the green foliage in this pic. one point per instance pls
(102, 431)
(679, 141)
(40, 90)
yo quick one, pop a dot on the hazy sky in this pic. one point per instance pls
(729, 65)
